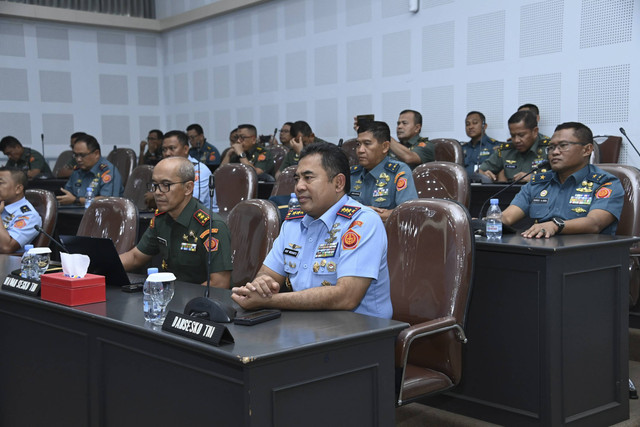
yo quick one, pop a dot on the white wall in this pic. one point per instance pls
(324, 61)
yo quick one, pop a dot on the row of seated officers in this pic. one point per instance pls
(332, 254)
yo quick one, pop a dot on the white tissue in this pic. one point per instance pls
(74, 265)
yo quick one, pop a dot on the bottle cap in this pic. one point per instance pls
(494, 201)
(152, 270)
(293, 196)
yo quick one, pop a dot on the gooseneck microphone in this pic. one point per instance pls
(543, 165)
(625, 135)
(203, 307)
(60, 245)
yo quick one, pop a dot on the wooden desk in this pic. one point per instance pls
(101, 365)
(548, 333)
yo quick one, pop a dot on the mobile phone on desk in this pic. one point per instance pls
(255, 317)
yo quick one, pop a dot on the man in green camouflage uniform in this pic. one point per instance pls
(179, 232)
(515, 158)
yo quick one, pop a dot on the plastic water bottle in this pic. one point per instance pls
(147, 302)
(494, 221)
(293, 202)
(88, 198)
(27, 267)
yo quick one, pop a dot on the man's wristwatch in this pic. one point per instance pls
(243, 156)
(559, 222)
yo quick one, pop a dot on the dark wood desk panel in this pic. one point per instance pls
(101, 364)
(548, 333)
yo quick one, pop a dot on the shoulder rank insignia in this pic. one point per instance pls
(355, 168)
(201, 216)
(103, 166)
(158, 213)
(541, 176)
(294, 214)
(392, 167)
(25, 208)
(596, 177)
(348, 211)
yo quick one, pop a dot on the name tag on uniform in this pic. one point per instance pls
(289, 251)
(355, 194)
(189, 247)
(539, 200)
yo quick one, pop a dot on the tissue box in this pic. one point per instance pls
(56, 287)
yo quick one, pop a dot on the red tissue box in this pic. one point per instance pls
(56, 287)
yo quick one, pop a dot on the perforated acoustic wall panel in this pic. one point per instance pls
(324, 61)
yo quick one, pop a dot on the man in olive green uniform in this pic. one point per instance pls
(246, 150)
(179, 232)
(301, 136)
(28, 160)
(515, 158)
(411, 148)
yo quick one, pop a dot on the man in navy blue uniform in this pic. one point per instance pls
(331, 253)
(574, 197)
(378, 181)
(481, 146)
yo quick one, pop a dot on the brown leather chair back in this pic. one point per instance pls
(136, 186)
(443, 180)
(125, 160)
(45, 203)
(629, 223)
(430, 257)
(349, 147)
(235, 182)
(254, 225)
(448, 150)
(285, 184)
(64, 158)
(610, 149)
(277, 153)
(112, 217)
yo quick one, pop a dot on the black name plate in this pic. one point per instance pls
(14, 283)
(198, 329)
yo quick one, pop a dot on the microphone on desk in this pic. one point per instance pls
(203, 307)
(543, 165)
(60, 245)
(625, 135)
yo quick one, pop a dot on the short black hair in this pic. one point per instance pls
(18, 175)
(76, 135)
(183, 139)
(379, 130)
(482, 117)
(417, 117)
(250, 128)
(300, 127)
(90, 140)
(334, 160)
(195, 127)
(233, 130)
(580, 131)
(8, 142)
(287, 124)
(532, 107)
(526, 116)
(158, 133)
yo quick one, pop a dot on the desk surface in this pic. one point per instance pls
(293, 331)
(515, 243)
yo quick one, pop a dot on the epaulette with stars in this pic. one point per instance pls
(542, 175)
(355, 168)
(348, 211)
(598, 178)
(158, 213)
(392, 167)
(201, 216)
(294, 214)
(103, 166)
(504, 146)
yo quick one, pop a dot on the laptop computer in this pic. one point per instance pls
(105, 260)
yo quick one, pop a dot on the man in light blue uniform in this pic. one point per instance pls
(575, 197)
(378, 181)
(92, 170)
(332, 253)
(19, 217)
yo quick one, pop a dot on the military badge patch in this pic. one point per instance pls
(401, 184)
(211, 244)
(603, 193)
(350, 240)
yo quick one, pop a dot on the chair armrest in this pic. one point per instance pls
(435, 326)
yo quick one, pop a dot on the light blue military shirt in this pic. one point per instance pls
(201, 187)
(103, 177)
(20, 219)
(544, 197)
(387, 185)
(349, 239)
(475, 155)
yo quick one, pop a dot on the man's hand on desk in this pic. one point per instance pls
(520, 175)
(490, 174)
(540, 230)
(67, 198)
(257, 293)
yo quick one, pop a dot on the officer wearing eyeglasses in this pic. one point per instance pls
(92, 170)
(574, 197)
(179, 232)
